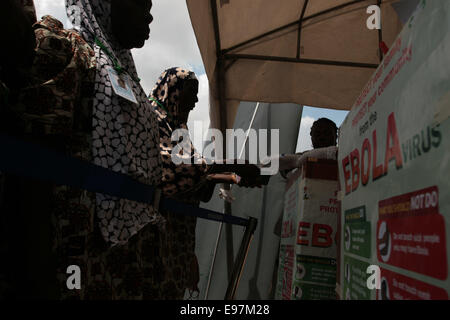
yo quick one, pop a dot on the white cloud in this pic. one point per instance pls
(304, 139)
(172, 43)
(200, 113)
(55, 8)
(172, 40)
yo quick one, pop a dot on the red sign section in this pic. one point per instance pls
(395, 286)
(287, 272)
(411, 233)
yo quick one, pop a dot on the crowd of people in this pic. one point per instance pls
(77, 92)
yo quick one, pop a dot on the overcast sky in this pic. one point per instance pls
(172, 44)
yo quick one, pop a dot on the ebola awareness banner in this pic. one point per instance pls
(307, 260)
(394, 168)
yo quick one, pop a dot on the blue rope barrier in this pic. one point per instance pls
(30, 160)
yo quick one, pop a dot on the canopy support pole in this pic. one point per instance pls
(300, 23)
(240, 259)
(380, 37)
(220, 73)
(307, 61)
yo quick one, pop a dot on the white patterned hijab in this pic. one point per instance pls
(125, 137)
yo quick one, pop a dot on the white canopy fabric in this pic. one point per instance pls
(310, 52)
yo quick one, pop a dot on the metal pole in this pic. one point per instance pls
(300, 22)
(380, 37)
(240, 259)
(213, 261)
(253, 283)
(233, 56)
(221, 223)
(248, 131)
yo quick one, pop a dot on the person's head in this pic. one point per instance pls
(188, 98)
(323, 133)
(118, 24)
(176, 90)
(130, 22)
(29, 9)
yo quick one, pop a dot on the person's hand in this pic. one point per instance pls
(254, 182)
(249, 183)
(232, 178)
(320, 153)
(228, 177)
(247, 170)
(244, 170)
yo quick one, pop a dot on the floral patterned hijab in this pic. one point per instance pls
(177, 179)
(125, 135)
(165, 94)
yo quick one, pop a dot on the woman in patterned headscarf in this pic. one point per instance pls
(125, 134)
(117, 250)
(173, 97)
(73, 107)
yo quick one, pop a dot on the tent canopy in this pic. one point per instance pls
(310, 52)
